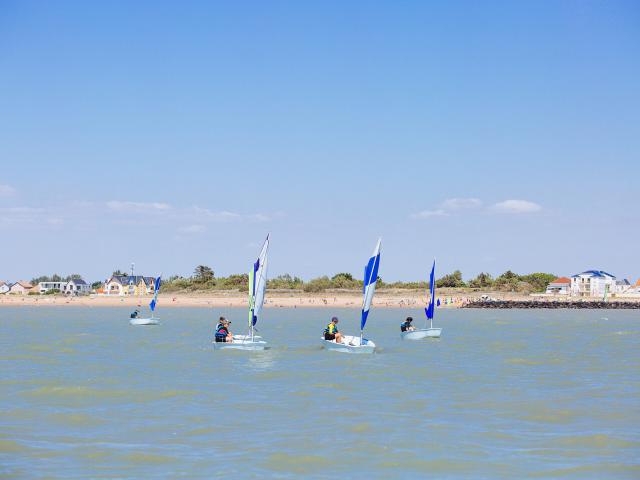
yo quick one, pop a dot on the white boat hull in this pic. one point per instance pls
(244, 343)
(350, 344)
(421, 334)
(246, 337)
(144, 321)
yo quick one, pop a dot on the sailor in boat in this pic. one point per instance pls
(331, 332)
(220, 321)
(135, 313)
(406, 325)
(222, 331)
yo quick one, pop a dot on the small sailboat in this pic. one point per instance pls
(359, 344)
(427, 331)
(152, 320)
(257, 287)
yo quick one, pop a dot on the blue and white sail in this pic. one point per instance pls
(258, 284)
(156, 289)
(432, 292)
(369, 287)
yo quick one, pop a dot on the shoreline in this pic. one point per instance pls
(416, 299)
(219, 300)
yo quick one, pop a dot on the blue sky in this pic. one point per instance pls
(491, 135)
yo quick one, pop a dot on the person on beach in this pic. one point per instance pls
(406, 326)
(222, 331)
(331, 332)
(135, 313)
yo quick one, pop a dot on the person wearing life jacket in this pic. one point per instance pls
(220, 321)
(331, 332)
(135, 313)
(222, 331)
(406, 326)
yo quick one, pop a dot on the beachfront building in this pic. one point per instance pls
(593, 283)
(44, 287)
(4, 287)
(560, 286)
(77, 287)
(20, 288)
(623, 286)
(129, 285)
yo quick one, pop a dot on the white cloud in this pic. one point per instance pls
(259, 217)
(449, 206)
(194, 214)
(7, 190)
(192, 229)
(461, 203)
(516, 206)
(20, 215)
(453, 206)
(204, 214)
(137, 207)
(78, 214)
(429, 214)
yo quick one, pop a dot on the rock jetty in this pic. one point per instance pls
(551, 304)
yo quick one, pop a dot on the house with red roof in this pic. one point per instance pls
(560, 286)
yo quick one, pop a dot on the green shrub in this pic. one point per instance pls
(451, 280)
(317, 285)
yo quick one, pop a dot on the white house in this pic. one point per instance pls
(4, 287)
(129, 285)
(593, 283)
(623, 286)
(44, 287)
(20, 288)
(560, 286)
(77, 287)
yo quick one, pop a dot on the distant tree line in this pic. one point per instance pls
(204, 278)
(508, 281)
(55, 278)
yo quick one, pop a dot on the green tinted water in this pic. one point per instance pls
(504, 394)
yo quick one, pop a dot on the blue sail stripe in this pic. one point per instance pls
(432, 291)
(156, 289)
(256, 265)
(369, 281)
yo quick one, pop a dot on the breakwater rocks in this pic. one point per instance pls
(550, 304)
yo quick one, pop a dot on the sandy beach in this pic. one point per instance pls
(235, 299)
(449, 298)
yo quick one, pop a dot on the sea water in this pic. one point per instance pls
(503, 394)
